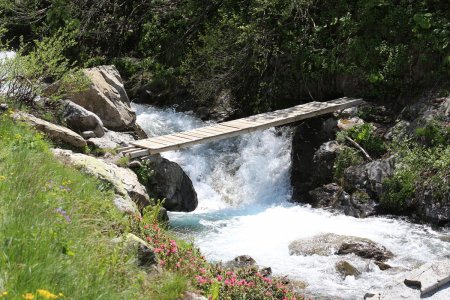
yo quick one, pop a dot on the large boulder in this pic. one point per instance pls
(111, 140)
(56, 133)
(124, 181)
(80, 119)
(357, 205)
(369, 176)
(331, 243)
(324, 159)
(307, 139)
(107, 98)
(168, 181)
(366, 249)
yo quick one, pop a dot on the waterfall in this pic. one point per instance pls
(243, 188)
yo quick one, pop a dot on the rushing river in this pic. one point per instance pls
(244, 189)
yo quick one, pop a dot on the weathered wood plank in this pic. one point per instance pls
(240, 126)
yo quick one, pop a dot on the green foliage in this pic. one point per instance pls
(433, 134)
(145, 172)
(56, 226)
(265, 54)
(420, 170)
(365, 136)
(347, 157)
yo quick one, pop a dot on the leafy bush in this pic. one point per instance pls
(365, 136)
(22, 77)
(433, 134)
(419, 169)
(347, 157)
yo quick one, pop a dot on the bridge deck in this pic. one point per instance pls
(237, 127)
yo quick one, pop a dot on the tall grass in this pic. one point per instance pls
(56, 226)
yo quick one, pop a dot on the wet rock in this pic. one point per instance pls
(429, 277)
(322, 244)
(107, 98)
(357, 205)
(242, 261)
(80, 119)
(366, 249)
(346, 269)
(383, 266)
(306, 140)
(329, 195)
(323, 160)
(168, 181)
(331, 243)
(429, 208)
(56, 133)
(124, 181)
(369, 176)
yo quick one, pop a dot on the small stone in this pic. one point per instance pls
(265, 272)
(345, 124)
(88, 134)
(383, 266)
(347, 269)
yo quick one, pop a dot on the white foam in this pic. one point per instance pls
(243, 187)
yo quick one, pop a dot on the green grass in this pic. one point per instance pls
(42, 247)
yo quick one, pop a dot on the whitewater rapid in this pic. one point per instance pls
(244, 189)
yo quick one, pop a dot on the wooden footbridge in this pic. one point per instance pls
(237, 127)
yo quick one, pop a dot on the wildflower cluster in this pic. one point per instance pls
(183, 259)
(215, 281)
(42, 294)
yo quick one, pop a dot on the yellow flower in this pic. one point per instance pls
(4, 294)
(47, 294)
(28, 296)
(2, 177)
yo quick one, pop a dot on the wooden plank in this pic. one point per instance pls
(245, 125)
(121, 149)
(139, 153)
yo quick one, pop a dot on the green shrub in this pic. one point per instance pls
(418, 169)
(365, 136)
(347, 157)
(434, 133)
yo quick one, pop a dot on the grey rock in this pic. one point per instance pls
(322, 244)
(242, 261)
(126, 205)
(369, 176)
(111, 140)
(383, 266)
(193, 296)
(346, 269)
(333, 196)
(107, 98)
(324, 159)
(124, 181)
(429, 277)
(56, 133)
(145, 255)
(88, 134)
(266, 271)
(366, 249)
(80, 119)
(306, 140)
(168, 181)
